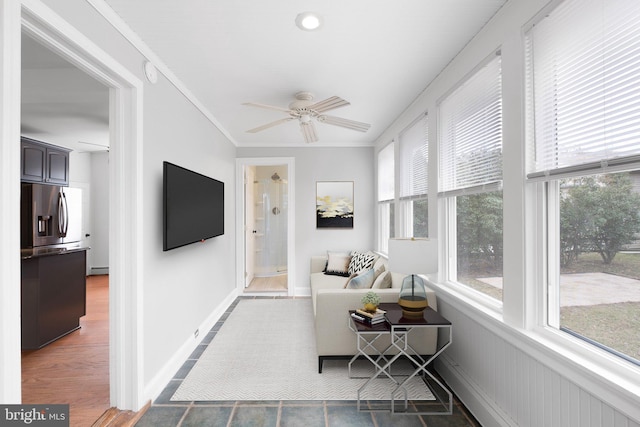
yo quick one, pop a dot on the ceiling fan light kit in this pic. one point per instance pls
(305, 110)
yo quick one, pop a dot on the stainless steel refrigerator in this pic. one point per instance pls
(50, 216)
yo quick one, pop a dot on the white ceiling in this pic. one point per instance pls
(61, 104)
(377, 54)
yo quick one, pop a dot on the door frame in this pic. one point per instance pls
(241, 163)
(125, 185)
(249, 213)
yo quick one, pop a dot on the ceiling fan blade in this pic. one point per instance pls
(328, 104)
(269, 125)
(309, 132)
(268, 107)
(345, 123)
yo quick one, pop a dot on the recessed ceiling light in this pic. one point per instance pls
(308, 21)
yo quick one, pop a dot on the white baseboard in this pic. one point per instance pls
(473, 397)
(303, 291)
(161, 379)
(99, 270)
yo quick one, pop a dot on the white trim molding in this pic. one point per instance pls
(158, 383)
(10, 327)
(125, 182)
(291, 226)
(119, 25)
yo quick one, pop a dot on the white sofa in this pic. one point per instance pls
(331, 303)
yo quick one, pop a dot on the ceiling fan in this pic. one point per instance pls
(306, 111)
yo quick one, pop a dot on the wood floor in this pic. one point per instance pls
(268, 284)
(75, 368)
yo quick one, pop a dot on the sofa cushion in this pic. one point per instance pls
(378, 269)
(361, 281)
(383, 281)
(338, 264)
(361, 261)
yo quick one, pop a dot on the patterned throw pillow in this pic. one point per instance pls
(338, 264)
(361, 281)
(361, 261)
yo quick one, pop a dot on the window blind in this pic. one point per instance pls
(470, 143)
(386, 173)
(414, 159)
(583, 71)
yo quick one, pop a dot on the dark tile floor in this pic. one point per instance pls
(165, 413)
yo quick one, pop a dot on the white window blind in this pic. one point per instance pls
(414, 159)
(470, 144)
(583, 69)
(386, 173)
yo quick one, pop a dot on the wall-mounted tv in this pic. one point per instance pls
(193, 207)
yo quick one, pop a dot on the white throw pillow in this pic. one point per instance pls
(338, 264)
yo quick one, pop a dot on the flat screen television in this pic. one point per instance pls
(193, 207)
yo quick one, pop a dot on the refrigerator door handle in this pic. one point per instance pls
(60, 214)
(63, 212)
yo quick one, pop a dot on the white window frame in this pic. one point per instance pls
(544, 207)
(542, 203)
(385, 203)
(448, 222)
(404, 209)
(384, 228)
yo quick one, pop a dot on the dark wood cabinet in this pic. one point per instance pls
(53, 297)
(34, 159)
(44, 163)
(57, 166)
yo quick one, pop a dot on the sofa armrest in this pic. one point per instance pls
(318, 263)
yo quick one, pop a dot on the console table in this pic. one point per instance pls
(398, 329)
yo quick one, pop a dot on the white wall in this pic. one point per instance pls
(184, 287)
(326, 164)
(89, 171)
(80, 177)
(504, 371)
(98, 258)
(79, 168)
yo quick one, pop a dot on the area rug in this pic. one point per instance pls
(265, 350)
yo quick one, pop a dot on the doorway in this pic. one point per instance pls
(125, 236)
(266, 213)
(266, 195)
(64, 106)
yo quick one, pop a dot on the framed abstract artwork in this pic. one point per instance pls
(334, 204)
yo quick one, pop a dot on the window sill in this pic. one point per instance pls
(459, 293)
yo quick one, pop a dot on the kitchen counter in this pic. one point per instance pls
(51, 250)
(53, 293)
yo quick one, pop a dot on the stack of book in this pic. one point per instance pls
(369, 318)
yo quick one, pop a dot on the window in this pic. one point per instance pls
(470, 184)
(386, 195)
(583, 71)
(414, 158)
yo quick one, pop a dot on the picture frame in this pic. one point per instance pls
(334, 204)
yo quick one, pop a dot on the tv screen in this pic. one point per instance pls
(193, 207)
